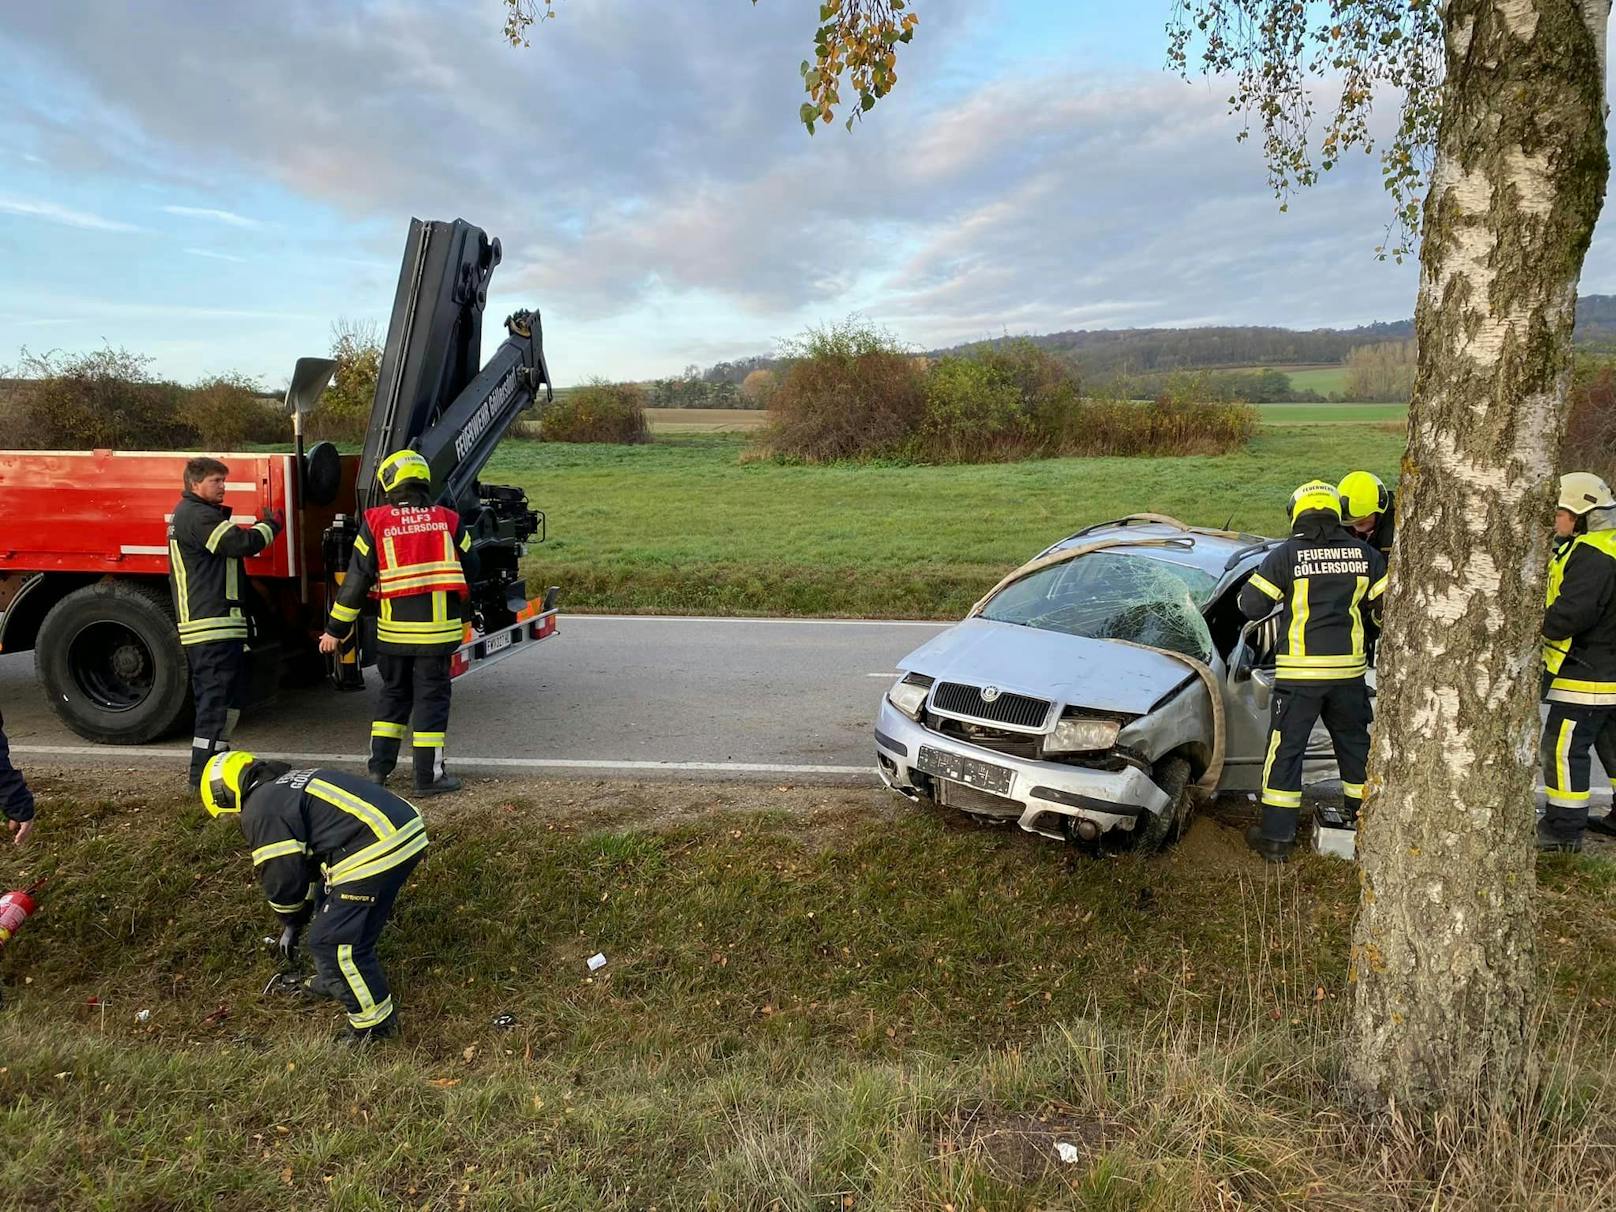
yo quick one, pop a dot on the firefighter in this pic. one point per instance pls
(205, 549)
(416, 555)
(331, 851)
(1369, 510)
(1579, 656)
(1327, 586)
(16, 801)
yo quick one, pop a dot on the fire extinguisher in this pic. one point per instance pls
(15, 908)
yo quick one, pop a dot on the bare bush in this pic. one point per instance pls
(1383, 373)
(597, 412)
(758, 388)
(104, 399)
(229, 411)
(1590, 437)
(851, 391)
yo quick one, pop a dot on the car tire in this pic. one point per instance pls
(1172, 775)
(110, 660)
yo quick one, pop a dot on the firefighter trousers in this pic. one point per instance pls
(16, 801)
(1569, 738)
(1297, 706)
(218, 684)
(342, 941)
(415, 693)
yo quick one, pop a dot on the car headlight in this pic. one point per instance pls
(1082, 736)
(908, 694)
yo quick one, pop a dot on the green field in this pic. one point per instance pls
(815, 999)
(684, 525)
(1332, 414)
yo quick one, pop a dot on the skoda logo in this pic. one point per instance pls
(989, 693)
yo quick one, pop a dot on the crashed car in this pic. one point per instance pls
(1089, 694)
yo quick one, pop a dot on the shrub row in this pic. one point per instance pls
(850, 391)
(597, 412)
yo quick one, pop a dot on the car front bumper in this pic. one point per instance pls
(1047, 798)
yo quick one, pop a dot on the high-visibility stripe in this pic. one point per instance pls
(385, 862)
(417, 640)
(219, 531)
(278, 850)
(1263, 585)
(232, 580)
(176, 564)
(354, 806)
(1562, 756)
(1359, 588)
(1352, 790)
(361, 991)
(421, 625)
(1378, 588)
(280, 908)
(396, 571)
(465, 541)
(1268, 762)
(268, 531)
(384, 728)
(344, 614)
(429, 740)
(1307, 673)
(1586, 694)
(380, 855)
(362, 547)
(1299, 616)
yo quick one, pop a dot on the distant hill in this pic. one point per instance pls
(1104, 352)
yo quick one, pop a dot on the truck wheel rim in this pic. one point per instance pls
(111, 665)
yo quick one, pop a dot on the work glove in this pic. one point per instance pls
(276, 518)
(287, 946)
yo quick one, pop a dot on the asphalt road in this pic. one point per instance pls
(789, 699)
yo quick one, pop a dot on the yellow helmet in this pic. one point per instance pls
(221, 781)
(402, 467)
(1362, 494)
(1314, 495)
(1581, 491)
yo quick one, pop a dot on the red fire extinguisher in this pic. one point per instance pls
(15, 908)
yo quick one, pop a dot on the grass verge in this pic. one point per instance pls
(815, 999)
(684, 526)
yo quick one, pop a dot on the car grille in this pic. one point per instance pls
(1017, 710)
(1011, 744)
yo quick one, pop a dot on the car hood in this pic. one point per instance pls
(1099, 674)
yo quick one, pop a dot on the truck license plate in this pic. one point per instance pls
(965, 770)
(497, 642)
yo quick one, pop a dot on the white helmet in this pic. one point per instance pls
(1581, 491)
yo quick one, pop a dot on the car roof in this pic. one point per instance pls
(1212, 551)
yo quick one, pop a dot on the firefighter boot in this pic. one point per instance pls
(1275, 838)
(364, 1037)
(1559, 830)
(1604, 824)
(385, 739)
(431, 776)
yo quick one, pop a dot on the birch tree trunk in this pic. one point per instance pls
(1443, 959)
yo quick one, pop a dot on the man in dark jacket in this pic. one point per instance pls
(1327, 586)
(1579, 657)
(309, 828)
(205, 549)
(416, 555)
(16, 801)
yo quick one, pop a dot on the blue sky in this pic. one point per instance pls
(213, 185)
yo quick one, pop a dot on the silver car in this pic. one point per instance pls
(1058, 704)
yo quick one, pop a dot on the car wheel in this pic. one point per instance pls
(1172, 775)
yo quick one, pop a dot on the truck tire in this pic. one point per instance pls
(110, 659)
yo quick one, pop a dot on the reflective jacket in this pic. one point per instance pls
(1328, 585)
(1579, 629)
(305, 825)
(414, 556)
(205, 550)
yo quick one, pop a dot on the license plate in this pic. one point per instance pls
(497, 642)
(969, 771)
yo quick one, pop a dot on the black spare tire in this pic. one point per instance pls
(110, 659)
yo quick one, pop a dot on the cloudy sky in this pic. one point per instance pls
(213, 184)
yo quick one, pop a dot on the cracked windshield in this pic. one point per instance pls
(1113, 596)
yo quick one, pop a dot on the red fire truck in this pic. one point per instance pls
(83, 534)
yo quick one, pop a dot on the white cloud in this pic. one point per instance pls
(215, 256)
(50, 212)
(207, 212)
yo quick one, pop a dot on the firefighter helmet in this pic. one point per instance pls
(221, 781)
(1315, 495)
(1581, 491)
(1362, 495)
(401, 468)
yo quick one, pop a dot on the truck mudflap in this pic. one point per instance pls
(533, 623)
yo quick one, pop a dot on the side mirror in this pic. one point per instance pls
(310, 378)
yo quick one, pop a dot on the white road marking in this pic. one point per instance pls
(692, 618)
(118, 753)
(893, 674)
